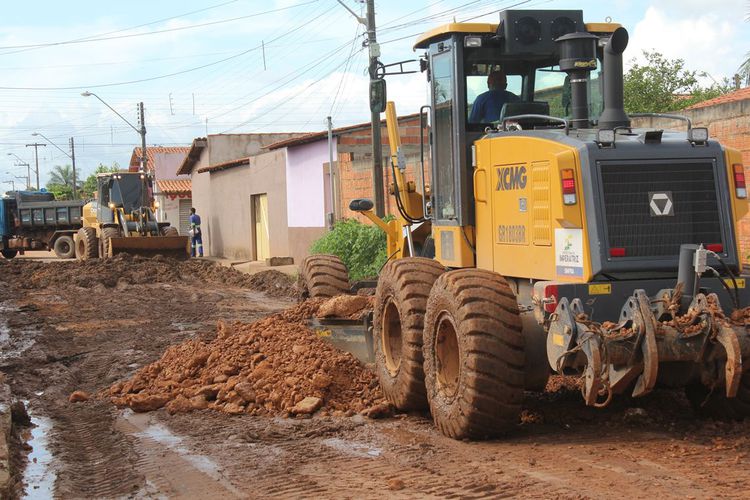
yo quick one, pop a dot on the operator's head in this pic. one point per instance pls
(497, 81)
(192, 210)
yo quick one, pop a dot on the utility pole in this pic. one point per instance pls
(36, 159)
(330, 172)
(73, 159)
(377, 148)
(142, 121)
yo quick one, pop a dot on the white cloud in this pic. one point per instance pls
(707, 41)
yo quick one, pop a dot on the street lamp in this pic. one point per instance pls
(71, 155)
(22, 163)
(141, 131)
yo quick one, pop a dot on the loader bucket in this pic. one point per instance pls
(650, 341)
(147, 246)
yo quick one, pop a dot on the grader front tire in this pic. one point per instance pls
(400, 303)
(474, 355)
(324, 276)
(105, 250)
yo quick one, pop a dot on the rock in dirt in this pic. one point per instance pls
(380, 410)
(396, 484)
(346, 306)
(307, 406)
(275, 366)
(78, 397)
(18, 414)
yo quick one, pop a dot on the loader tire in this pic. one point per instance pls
(474, 355)
(169, 231)
(398, 323)
(9, 254)
(714, 404)
(323, 276)
(86, 246)
(105, 252)
(64, 247)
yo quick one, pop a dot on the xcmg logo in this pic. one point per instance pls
(509, 178)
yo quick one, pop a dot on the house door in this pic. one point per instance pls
(260, 216)
(184, 216)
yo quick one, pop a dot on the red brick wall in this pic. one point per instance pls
(355, 164)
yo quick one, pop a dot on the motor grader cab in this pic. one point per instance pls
(566, 240)
(122, 219)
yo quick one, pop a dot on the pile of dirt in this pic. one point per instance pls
(346, 306)
(276, 366)
(135, 270)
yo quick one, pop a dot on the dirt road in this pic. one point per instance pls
(67, 327)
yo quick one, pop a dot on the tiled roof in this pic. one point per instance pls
(175, 186)
(135, 158)
(737, 95)
(316, 136)
(238, 162)
(193, 155)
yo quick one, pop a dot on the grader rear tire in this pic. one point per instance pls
(324, 276)
(105, 252)
(474, 355)
(400, 303)
(716, 405)
(86, 244)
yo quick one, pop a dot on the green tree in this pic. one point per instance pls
(89, 185)
(60, 182)
(362, 247)
(661, 85)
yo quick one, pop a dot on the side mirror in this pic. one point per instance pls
(360, 205)
(378, 96)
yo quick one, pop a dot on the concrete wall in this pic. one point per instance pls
(226, 147)
(729, 123)
(305, 184)
(166, 165)
(231, 207)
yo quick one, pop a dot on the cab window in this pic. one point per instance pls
(553, 87)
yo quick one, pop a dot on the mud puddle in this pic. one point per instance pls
(39, 476)
(168, 463)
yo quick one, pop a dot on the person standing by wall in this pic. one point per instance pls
(196, 237)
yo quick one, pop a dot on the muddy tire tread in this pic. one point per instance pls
(87, 237)
(408, 281)
(324, 276)
(487, 401)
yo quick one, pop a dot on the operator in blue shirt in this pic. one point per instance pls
(487, 106)
(195, 234)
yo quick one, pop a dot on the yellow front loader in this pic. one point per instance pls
(122, 220)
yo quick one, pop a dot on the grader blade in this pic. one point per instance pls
(612, 357)
(148, 246)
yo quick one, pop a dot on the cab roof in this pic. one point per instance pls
(483, 28)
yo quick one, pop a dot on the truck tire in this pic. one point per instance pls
(323, 276)
(716, 405)
(400, 302)
(64, 247)
(474, 355)
(107, 234)
(9, 254)
(169, 231)
(86, 244)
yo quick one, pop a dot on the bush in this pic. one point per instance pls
(362, 247)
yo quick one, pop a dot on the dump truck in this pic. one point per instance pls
(122, 219)
(557, 238)
(33, 220)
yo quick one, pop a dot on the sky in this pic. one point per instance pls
(240, 66)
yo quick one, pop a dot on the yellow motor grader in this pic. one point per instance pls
(565, 239)
(122, 220)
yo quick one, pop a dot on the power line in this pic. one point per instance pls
(155, 32)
